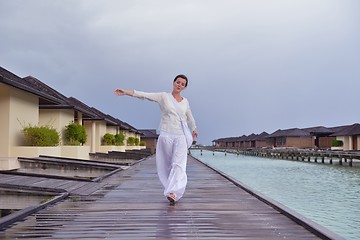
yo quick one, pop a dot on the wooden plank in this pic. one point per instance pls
(86, 189)
(51, 183)
(76, 185)
(29, 181)
(5, 178)
(131, 205)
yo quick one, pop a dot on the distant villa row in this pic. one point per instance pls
(345, 138)
(29, 102)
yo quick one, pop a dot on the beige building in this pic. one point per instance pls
(350, 136)
(28, 101)
(314, 138)
(150, 137)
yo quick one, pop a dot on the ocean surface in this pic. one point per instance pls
(328, 195)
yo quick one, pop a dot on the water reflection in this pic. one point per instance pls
(175, 223)
(165, 227)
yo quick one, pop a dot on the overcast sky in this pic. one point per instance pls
(253, 65)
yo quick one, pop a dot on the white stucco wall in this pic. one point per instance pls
(101, 130)
(57, 119)
(111, 129)
(18, 110)
(95, 130)
(348, 142)
(88, 128)
(4, 120)
(23, 111)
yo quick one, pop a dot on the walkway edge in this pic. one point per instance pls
(308, 224)
(21, 214)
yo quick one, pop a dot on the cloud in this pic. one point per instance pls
(253, 65)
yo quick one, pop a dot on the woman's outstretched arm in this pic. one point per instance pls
(156, 97)
(122, 92)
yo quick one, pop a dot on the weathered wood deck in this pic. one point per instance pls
(74, 187)
(130, 205)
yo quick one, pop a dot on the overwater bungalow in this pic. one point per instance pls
(322, 138)
(262, 141)
(350, 136)
(312, 138)
(229, 142)
(241, 142)
(294, 138)
(244, 142)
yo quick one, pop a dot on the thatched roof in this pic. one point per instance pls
(149, 133)
(351, 130)
(15, 81)
(319, 130)
(293, 132)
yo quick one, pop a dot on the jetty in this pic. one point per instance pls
(341, 158)
(129, 204)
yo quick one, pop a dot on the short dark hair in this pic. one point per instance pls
(183, 77)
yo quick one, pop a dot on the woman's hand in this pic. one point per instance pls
(122, 92)
(195, 134)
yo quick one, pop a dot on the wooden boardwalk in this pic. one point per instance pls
(130, 205)
(74, 187)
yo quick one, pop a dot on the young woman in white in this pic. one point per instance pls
(171, 149)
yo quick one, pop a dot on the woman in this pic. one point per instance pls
(171, 149)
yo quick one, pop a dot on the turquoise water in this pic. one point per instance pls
(329, 195)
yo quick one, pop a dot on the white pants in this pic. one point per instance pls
(171, 160)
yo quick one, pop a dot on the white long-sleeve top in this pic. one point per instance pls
(170, 120)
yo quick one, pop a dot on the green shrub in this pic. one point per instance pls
(142, 143)
(337, 143)
(43, 136)
(131, 141)
(109, 139)
(75, 134)
(136, 141)
(119, 139)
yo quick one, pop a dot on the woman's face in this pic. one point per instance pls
(179, 85)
